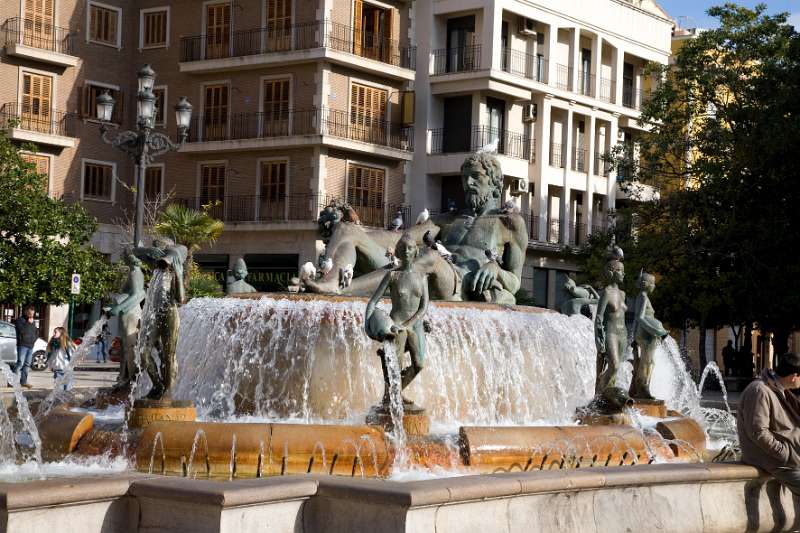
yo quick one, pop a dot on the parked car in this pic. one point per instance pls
(8, 347)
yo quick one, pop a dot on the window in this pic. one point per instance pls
(42, 163)
(103, 26)
(97, 180)
(39, 22)
(153, 181)
(279, 23)
(161, 102)
(89, 106)
(372, 30)
(215, 112)
(367, 113)
(276, 108)
(154, 28)
(273, 180)
(212, 183)
(218, 30)
(37, 94)
(365, 187)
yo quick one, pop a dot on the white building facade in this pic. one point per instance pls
(556, 84)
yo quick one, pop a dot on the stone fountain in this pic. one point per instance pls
(446, 376)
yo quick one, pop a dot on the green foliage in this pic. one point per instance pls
(724, 129)
(43, 240)
(189, 227)
(203, 284)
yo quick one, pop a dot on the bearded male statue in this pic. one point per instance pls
(476, 255)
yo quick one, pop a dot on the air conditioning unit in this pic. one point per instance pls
(519, 186)
(527, 26)
(529, 112)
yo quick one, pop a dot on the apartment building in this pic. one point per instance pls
(301, 102)
(296, 104)
(556, 84)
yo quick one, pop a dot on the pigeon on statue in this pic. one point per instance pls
(394, 262)
(327, 266)
(510, 208)
(423, 216)
(492, 256)
(345, 276)
(308, 272)
(351, 215)
(446, 254)
(397, 222)
(428, 240)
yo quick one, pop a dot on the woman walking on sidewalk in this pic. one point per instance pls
(59, 353)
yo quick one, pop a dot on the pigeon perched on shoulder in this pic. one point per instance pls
(327, 266)
(615, 252)
(397, 221)
(444, 252)
(428, 240)
(345, 276)
(394, 262)
(510, 208)
(492, 256)
(423, 216)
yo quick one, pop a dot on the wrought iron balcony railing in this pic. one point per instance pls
(33, 117)
(324, 121)
(459, 59)
(37, 34)
(557, 156)
(518, 63)
(460, 140)
(282, 208)
(300, 36)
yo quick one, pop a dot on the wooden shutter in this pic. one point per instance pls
(153, 178)
(276, 107)
(367, 113)
(103, 24)
(38, 23)
(36, 99)
(42, 163)
(161, 116)
(215, 112)
(273, 180)
(279, 23)
(365, 187)
(218, 30)
(154, 29)
(97, 181)
(212, 183)
(358, 10)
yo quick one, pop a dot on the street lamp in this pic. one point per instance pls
(143, 145)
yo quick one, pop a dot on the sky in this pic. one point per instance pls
(696, 10)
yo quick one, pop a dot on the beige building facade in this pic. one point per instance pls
(300, 102)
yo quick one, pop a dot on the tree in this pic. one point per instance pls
(43, 240)
(190, 228)
(723, 128)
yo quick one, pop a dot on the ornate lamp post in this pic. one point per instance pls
(143, 145)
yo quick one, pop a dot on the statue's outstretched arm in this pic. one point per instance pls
(592, 291)
(376, 296)
(134, 297)
(150, 254)
(599, 327)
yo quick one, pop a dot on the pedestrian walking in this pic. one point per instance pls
(27, 334)
(729, 358)
(102, 344)
(768, 422)
(59, 354)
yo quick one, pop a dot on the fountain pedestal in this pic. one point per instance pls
(649, 407)
(415, 421)
(145, 412)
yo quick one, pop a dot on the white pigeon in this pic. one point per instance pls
(327, 266)
(345, 276)
(423, 216)
(308, 272)
(490, 148)
(397, 222)
(394, 262)
(444, 252)
(491, 255)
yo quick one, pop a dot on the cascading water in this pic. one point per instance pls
(309, 360)
(28, 436)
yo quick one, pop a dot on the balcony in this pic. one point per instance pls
(29, 123)
(608, 90)
(449, 141)
(292, 43)
(601, 166)
(585, 83)
(461, 59)
(294, 127)
(552, 230)
(632, 98)
(557, 156)
(288, 209)
(563, 78)
(579, 159)
(518, 63)
(37, 41)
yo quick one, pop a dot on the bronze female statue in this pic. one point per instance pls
(610, 333)
(647, 332)
(404, 325)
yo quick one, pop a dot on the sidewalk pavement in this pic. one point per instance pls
(88, 374)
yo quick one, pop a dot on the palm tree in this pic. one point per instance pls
(190, 228)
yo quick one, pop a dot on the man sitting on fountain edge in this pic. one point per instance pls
(768, 422)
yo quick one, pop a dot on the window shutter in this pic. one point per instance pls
(357, 37)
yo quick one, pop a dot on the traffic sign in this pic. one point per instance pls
(75, 287)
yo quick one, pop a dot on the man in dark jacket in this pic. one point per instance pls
(27, 333)
(768, 422)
